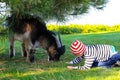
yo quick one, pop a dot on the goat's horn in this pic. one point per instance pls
(59, 38)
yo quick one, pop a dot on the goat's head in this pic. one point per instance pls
(56, 49)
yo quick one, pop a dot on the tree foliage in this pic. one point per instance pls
(43, 9)
(52, 9)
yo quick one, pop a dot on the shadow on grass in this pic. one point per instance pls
(17, 69)
(64, 74)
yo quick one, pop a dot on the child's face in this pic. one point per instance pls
(79, 55)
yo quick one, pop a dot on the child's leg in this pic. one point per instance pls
(109, 62)
(95, 64)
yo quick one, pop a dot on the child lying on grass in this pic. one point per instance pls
(94, 55)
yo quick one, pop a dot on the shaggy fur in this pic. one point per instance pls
(30, 30)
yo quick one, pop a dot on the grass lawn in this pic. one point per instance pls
(17, 69)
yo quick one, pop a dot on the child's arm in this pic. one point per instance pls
(88, 63)
(75, 61)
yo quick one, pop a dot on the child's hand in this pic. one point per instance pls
(68, 62)
(70, 67)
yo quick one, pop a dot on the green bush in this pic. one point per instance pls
(75, 28)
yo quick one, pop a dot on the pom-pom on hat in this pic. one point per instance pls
(77, 48)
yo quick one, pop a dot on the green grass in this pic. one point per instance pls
(17, 69)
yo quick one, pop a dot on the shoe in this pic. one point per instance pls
(117, 64)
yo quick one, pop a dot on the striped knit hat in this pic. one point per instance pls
(77, 48)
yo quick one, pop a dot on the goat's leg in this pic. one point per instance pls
(11, 51)
(30, 52)
(27, 51)
(31, 57)
(24, 53)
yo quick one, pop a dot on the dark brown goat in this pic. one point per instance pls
(31, 31)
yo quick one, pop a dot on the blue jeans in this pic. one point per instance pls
(108, 63)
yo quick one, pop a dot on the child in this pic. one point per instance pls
(94, 55)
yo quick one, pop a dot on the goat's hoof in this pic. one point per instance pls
(27, 60)
(11, 55)
(32, 59)
(25, 54)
